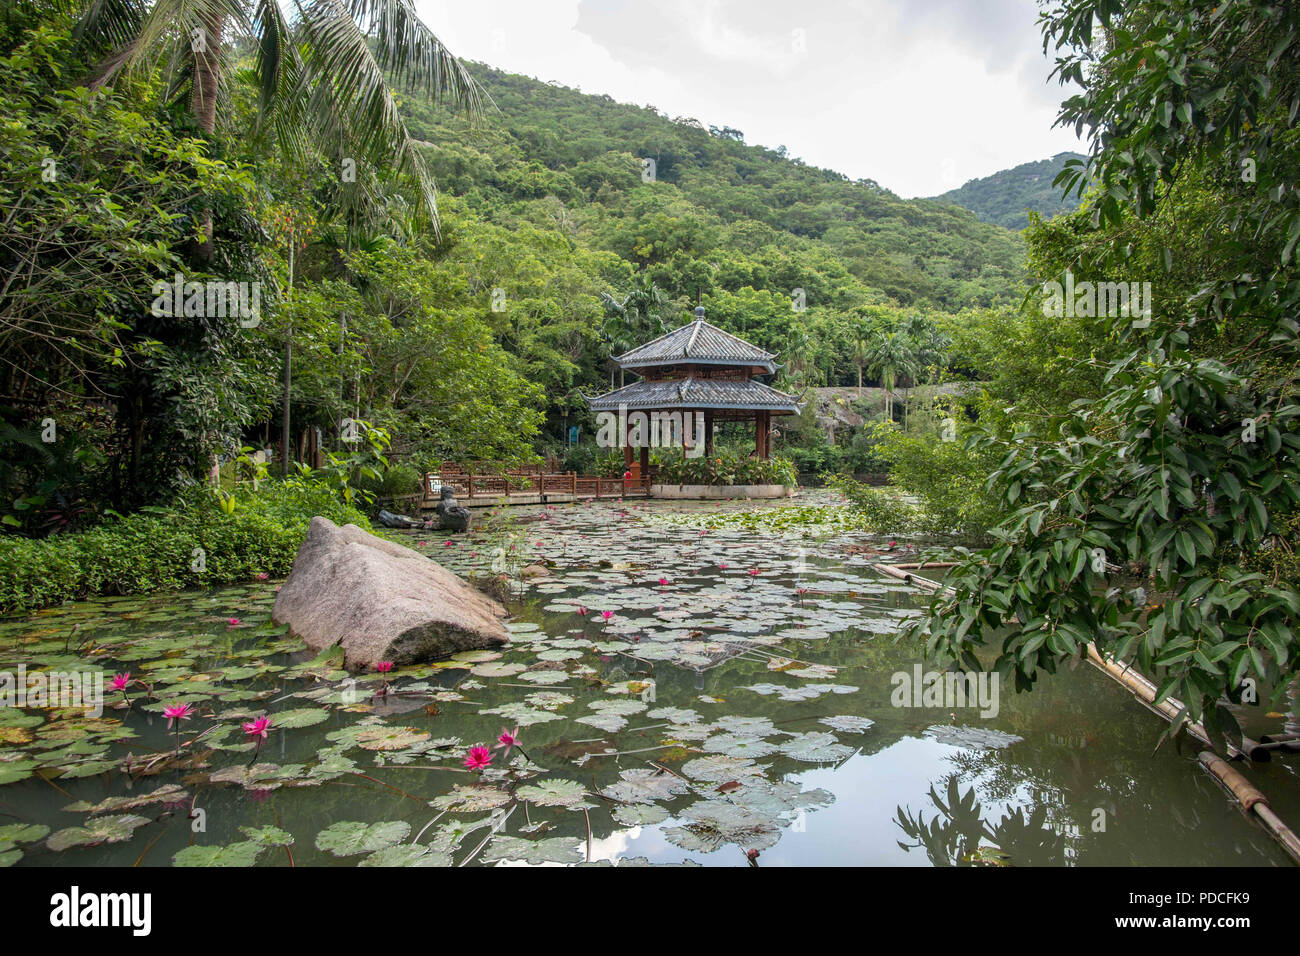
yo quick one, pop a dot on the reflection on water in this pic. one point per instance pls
(736, 699)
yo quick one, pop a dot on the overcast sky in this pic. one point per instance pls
(919, 95)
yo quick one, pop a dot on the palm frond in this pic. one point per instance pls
(278, 66)
(109, 22)
(408, 50)
(350, 105)
(168, 26)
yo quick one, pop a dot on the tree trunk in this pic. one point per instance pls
(203, 106)
(288, 373)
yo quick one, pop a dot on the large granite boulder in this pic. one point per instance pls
(381, 601)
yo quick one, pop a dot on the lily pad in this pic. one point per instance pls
(553, 793)
(347, 837)
(241, 854)
(113, 829)
(551, 850)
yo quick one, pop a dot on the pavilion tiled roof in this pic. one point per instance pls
(697, 342)
(692, 393)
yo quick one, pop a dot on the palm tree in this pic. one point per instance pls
(797, 349)
(637, 318)
(861, 356)
(929, 346)
(324, 70)
(891, 356)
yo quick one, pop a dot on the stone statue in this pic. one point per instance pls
(452, 516)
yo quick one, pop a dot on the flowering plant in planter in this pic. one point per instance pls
(724, 468)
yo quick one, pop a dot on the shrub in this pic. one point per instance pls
(949, 478)
(724, 468)
(882, 511)
(398, 479)
(251, 533)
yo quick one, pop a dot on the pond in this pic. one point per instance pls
(737, 706)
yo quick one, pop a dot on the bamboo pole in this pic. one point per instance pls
(1252, 801)
(1170, 708)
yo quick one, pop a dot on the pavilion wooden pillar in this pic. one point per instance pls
(762, 428)
(708, 431)
(645, 465)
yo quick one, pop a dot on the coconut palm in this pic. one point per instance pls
(862, 347)
(638, 317)
(324, 70)
(891, 357)
(930, 349)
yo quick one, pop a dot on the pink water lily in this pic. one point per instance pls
(384, 667)
(582, 610)
(257, 728)
(507, 739)
(232, 621)
(606, 614)
(478, 758)
(120, 681)
(177, 712)
(722, 567)
(663, 582)
(262, 575)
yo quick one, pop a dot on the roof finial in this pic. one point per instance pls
(699, 313)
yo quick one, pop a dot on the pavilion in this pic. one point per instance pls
(697, 370)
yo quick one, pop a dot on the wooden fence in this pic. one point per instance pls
(469, 484)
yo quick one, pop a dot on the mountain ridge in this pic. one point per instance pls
(1005, 197)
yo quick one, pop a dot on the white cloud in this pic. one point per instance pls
(919, 95)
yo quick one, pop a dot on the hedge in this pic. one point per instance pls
(160, 550)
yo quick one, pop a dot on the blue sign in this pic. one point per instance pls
(573, 434)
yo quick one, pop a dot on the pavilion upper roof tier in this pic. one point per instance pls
(699, 343)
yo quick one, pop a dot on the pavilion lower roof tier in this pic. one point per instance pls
(694, 393)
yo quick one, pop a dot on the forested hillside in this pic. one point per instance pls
(1007, 197)
(554, 155)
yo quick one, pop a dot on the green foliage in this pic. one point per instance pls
(399, 478)
(1181, 469)
(880, 510)
(949, 478)
(723, 467)
(100, 197)
(160, 549)
(1009, 195)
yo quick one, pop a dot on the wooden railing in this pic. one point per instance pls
(470, 485)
